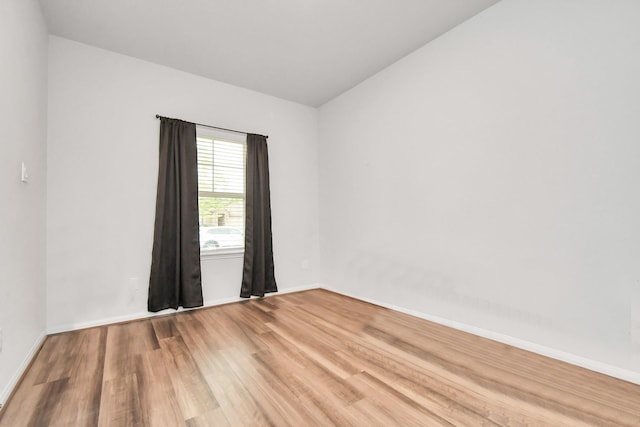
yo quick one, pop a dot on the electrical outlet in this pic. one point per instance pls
(24, 174)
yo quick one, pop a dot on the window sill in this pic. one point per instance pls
(221, 253)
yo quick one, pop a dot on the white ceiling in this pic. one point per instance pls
(307, 51)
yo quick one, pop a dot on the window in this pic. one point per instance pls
(221, 190)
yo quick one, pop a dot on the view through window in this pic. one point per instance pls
(221, 191)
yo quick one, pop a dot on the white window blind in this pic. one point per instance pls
(221, 188)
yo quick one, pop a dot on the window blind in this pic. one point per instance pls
(221, 188)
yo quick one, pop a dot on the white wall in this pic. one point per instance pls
(102, 175)
(23, 131)
(492, 178)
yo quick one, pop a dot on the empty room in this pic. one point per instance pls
(310, 213)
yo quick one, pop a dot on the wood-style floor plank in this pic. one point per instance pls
(309, 358)
(120, 405)
(158, 401)
(191, 388)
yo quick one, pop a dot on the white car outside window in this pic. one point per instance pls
(220, 237)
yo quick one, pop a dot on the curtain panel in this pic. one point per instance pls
(175, 278)
(258, 271)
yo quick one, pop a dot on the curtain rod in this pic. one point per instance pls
(158, 116)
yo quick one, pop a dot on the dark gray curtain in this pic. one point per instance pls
(258, 272)
(175, 263)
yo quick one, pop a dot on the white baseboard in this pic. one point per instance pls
(145, 314)
(583, 362)
(299, 288)
(211, 303)
(6, 392)
(66, 327)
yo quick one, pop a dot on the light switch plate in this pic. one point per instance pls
(24, 174)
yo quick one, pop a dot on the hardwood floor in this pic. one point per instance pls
(309, 358)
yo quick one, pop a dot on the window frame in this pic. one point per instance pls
(233, 137)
